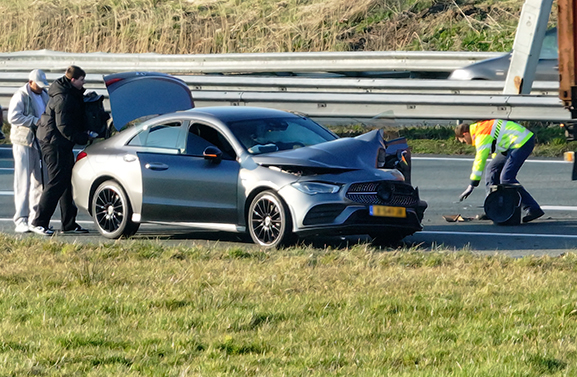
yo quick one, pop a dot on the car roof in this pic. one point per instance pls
(239, 113)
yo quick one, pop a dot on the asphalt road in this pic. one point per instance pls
(440, 180)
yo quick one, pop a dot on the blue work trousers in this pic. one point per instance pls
(504, 167)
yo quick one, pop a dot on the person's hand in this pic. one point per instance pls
(92, 135)
(466, 193)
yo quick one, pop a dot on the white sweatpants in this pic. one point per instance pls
(27, 181)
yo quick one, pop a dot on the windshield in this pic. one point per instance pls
(277, 134)
(549, 49)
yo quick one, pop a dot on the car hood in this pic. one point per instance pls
(360, 152)
(138, 94)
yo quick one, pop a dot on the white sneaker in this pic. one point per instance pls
(41, 230)
(22, 227)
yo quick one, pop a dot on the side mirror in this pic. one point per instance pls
(213, 154)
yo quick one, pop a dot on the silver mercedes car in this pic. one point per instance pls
(271, 174)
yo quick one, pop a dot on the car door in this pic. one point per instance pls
(182, 186)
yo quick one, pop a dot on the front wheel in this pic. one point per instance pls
(112, 211)
(268, 221)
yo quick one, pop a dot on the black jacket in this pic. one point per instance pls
(63, 121)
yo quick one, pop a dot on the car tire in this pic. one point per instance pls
(269, 222)
(112, 212)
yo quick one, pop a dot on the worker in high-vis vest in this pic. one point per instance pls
(509, 144)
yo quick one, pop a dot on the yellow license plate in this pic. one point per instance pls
(386, 211)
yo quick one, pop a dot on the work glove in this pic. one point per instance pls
(466, 193)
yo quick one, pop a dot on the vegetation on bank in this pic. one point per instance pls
(236, 26)
(135, 308)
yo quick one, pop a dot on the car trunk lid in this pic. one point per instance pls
(137, 94)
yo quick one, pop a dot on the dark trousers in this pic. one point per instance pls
(58, 162)
(504, 168)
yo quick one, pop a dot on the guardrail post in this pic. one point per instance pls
(527, 46)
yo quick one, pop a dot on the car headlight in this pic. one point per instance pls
(381, 158)
(313, 188)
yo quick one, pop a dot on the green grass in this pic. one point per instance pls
(138, 308)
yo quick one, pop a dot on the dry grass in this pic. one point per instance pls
(226, 26)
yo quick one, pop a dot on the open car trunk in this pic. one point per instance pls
(137, 94)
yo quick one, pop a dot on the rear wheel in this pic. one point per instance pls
(112, 212)
(269, 222)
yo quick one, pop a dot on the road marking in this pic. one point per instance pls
(57, 220)
(559, 208)
(472, 159)
(484, 234)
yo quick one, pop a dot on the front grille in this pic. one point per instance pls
(402, 194)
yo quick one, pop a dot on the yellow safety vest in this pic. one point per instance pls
(495, 136)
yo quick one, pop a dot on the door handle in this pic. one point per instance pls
(156, 166)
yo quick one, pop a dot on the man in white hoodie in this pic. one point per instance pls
(26, 107)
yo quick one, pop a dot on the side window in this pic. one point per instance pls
(201, 136)
(138, 139)
(159, 136)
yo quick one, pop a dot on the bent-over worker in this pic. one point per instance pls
(511, 144)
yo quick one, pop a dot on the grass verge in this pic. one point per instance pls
(139, 308)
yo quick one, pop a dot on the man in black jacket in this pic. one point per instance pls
(60, 128)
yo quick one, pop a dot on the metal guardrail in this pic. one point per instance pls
(376, 107)
(359, 98)
(243, 63)
(321, 85)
